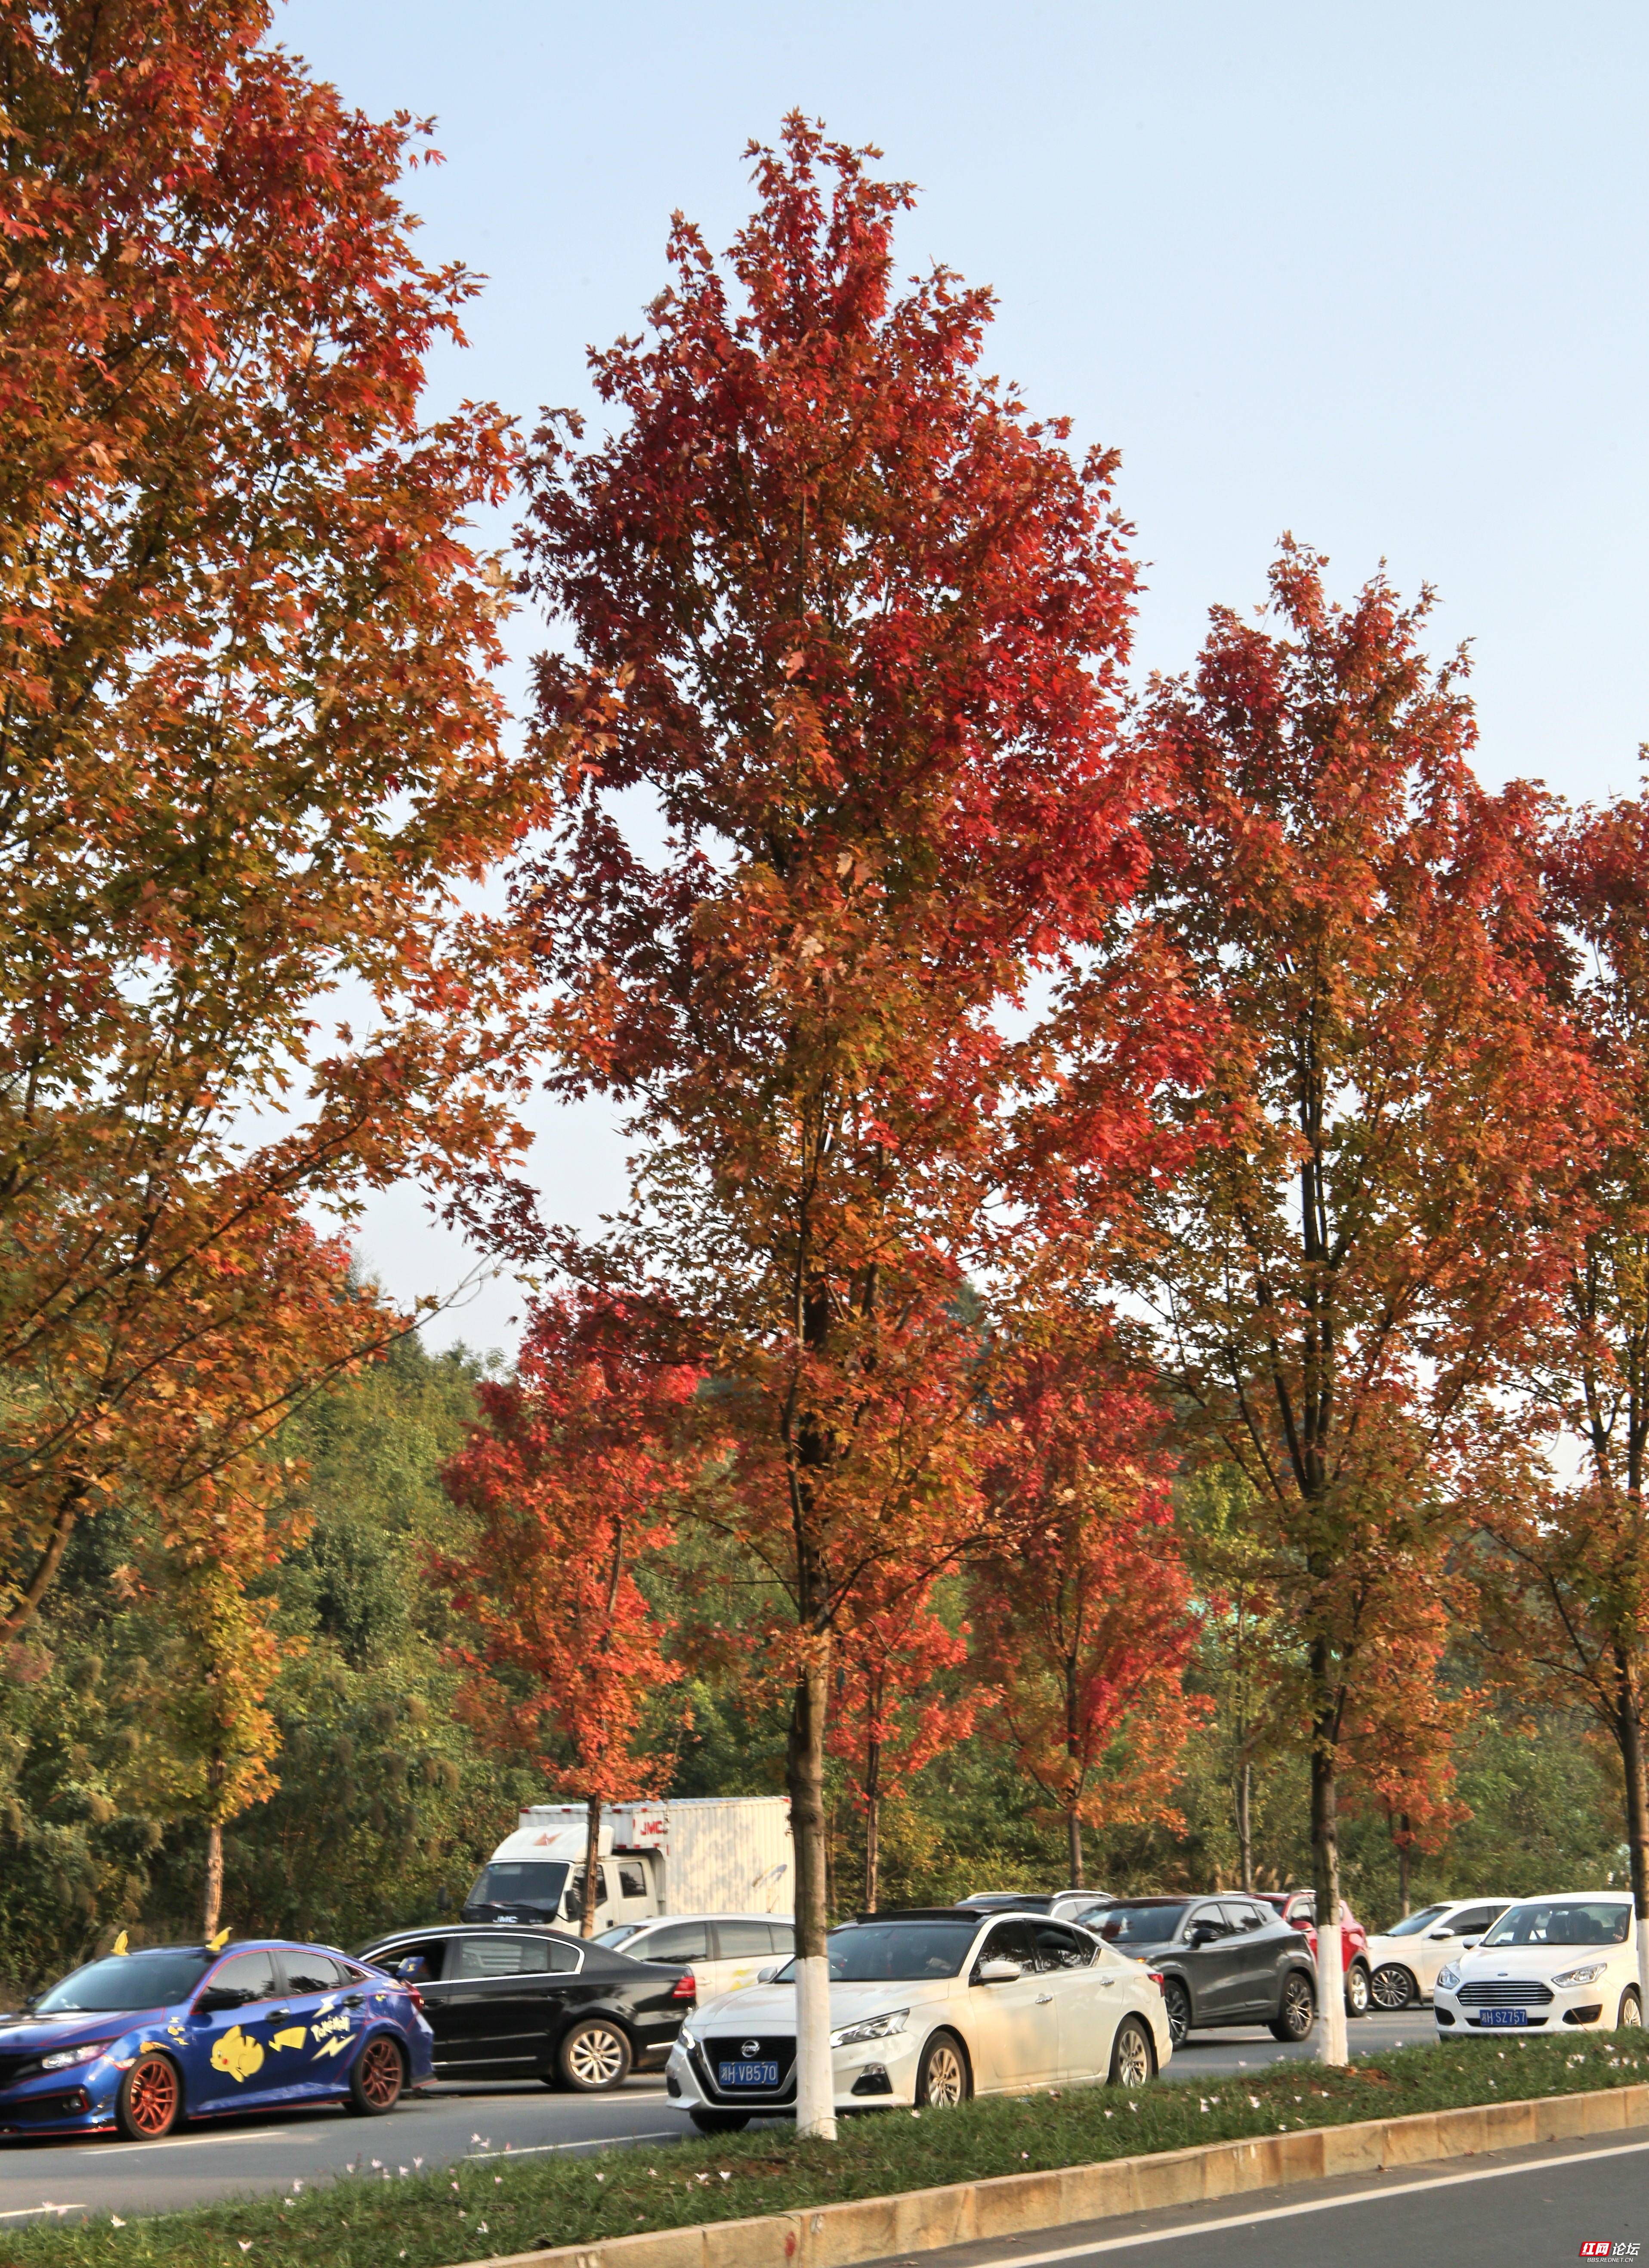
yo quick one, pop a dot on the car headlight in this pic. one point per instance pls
(1589, 1974)
(874, 2027)
(685, 2039)
(1448, 1975)
(64, 2057)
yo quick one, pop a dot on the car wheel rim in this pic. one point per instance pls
(1299, 2010)
(1358, 1990)
(381, 2073)
(1132, 2059)
(152, 2095)
(597, 2059)
(1178, 2014)
(1390, 1989)
(1631, 2012)
(945, 2078)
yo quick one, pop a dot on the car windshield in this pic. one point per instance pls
(127, 1980)
(892, 1952)
(537, 1882)
(1563, 1921)
(1411, 1924)
(1151, 1923)
(619, 1935)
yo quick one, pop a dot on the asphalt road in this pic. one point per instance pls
(1506, 2209)
(39, 2179)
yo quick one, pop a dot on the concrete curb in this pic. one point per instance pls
(1011, 2204)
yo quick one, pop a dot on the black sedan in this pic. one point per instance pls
(526, 2003)
(1227, 1960)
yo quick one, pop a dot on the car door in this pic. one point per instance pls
(1211, 1963)
(742, 1948)
(505, 1996)
(1085, 1997)
(232, 2059)
(1014, 2027)
(1251, 1950)
(325, 2002)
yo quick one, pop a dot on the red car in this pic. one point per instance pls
(1299, 1909)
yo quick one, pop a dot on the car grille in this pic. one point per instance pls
(13, 2068)
(1515, 1993)
(779, 2048)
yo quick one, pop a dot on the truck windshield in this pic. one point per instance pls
(516, 1882)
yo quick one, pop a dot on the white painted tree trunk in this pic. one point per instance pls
(816, 2091)
(1331, 2035)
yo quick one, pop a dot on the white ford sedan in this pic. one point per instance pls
(931, 2008)
(1557, 1964)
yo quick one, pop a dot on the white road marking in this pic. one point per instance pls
(22, 2212)
(113, 2154)
(1317, 2205)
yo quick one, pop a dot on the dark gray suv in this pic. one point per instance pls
(1225, 1959)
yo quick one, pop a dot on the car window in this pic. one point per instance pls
(679, 1940)
(1010, 1941)
(308, 1971)
(1475, 1920)
(1242, 1915)
(783, 1935)
(575, 1892)
(249, 1976)
(1563, 1921)
(736, 1940)
(1059, 1948)
(502, 1956)
(1412, 1925)
(426, 1953)
(1208, 1917)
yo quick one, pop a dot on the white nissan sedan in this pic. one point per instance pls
(930, 2007)
(1556, 1964)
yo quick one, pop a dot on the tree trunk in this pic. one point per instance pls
(211, 1906)
(592, 1866)
(1629, 1733)
(804, 1776)
(873, 1822)
(1245, 1823)
(1402, 1866)
(1331, 2009)
(1073, 1830)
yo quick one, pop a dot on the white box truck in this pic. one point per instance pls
(701, 1854)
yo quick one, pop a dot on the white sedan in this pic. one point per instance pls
(931, 2008)
(1556, 1964)
(1404, 1961)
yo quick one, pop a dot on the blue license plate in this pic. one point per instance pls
(1500, 2016)
(747, 2075)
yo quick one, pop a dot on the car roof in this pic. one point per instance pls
(472, 1929)
(668, 1921)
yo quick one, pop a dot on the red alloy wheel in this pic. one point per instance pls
(381, 2073)
(151, 2096)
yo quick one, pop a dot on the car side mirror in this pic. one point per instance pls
(998, 1972)
(765, 1975)
(1203, 1933)
(1442, 1932)
(213, 2003)
(1468, 1942)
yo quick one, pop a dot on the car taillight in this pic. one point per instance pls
(686, 1987)
(416, 1998)
(1156, 1976)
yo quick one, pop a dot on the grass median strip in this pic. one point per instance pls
(391, 2215)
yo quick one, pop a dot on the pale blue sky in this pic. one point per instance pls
(1374, 275)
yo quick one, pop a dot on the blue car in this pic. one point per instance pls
(138, 2041)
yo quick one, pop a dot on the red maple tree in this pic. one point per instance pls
(852, 623)
(569, 1483)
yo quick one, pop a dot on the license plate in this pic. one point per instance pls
(747, 2075)
(1500, 2016)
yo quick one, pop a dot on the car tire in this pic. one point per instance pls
(1177, 2007)
(1299, 2010)
(595, 2057)
(377, 2079)
(1392, 1988)
(149, 2101)
(1132, 2054)
(942, 2077)
(720, 2122)
(1630, 2010)
(1356, 1990)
